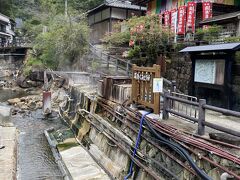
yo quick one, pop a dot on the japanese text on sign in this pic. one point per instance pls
(181, 20)
(191, 16)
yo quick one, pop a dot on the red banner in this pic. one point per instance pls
(167, 20)
(191, 11)
(181, 20)
(207, 10)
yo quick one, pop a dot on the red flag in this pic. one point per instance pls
(191, 11)
(181, 20)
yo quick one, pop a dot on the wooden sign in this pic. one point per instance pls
(142, 86)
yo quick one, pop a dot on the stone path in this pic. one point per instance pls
(81, 165)
(8, 154)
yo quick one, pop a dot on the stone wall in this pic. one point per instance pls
(11, 60)
(179, 68)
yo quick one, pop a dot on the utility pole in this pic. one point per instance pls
(66, 8)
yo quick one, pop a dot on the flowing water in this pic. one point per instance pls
(34, 156)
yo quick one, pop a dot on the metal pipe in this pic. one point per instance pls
(182, 100)
(183, 115)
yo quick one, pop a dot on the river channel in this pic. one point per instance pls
(34, 156)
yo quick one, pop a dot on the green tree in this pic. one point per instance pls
(64, 43)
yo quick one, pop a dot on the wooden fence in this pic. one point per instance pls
(142, 86)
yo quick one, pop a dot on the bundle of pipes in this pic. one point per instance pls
(186, 140)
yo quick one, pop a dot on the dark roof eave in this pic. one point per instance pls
(212, 48)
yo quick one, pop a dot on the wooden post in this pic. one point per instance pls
(134, 85)
(201, 117)
(127, 68)
(108, 59)
(157, 95)
(173, 86)
(116, 64)
(166, 105)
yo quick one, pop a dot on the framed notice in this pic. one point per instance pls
(157, 85)
(209, 71)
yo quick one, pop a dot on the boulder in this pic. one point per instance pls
(14, 101)
(38, 76)
(22, 82)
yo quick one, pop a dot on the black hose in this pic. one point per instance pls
(182, 152)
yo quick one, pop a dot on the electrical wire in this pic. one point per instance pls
(181, 151)
(136, 145)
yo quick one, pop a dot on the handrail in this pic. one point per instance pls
(127, 65)
(222, 110)
(202, 106)
(182, 100)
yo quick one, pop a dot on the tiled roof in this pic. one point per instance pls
(119, 4)
(217, 47)
(221, 17)
(125, 4)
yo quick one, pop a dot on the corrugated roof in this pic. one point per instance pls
(221, 17)
(217, 47)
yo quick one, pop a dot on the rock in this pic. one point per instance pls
(39, 105)
(24, 107)
(22, 82)
(23, 99)
(32, 105)
(14, 112)
(13, 101)
(214, 174)
(225, 138)
(34, 83)
(38, 76)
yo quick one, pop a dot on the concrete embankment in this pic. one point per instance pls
(8, 139)
(109, 132)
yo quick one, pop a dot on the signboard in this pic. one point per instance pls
(167, 18)
(210, 71)
(157, 85)
(191, 11)
(181, 20)
(174, 15)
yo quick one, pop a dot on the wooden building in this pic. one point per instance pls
(6, 30)
(102, 18)
(230, 23)
(215, 73)
(217, 7)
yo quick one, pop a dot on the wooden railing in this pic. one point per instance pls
(201, 106)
